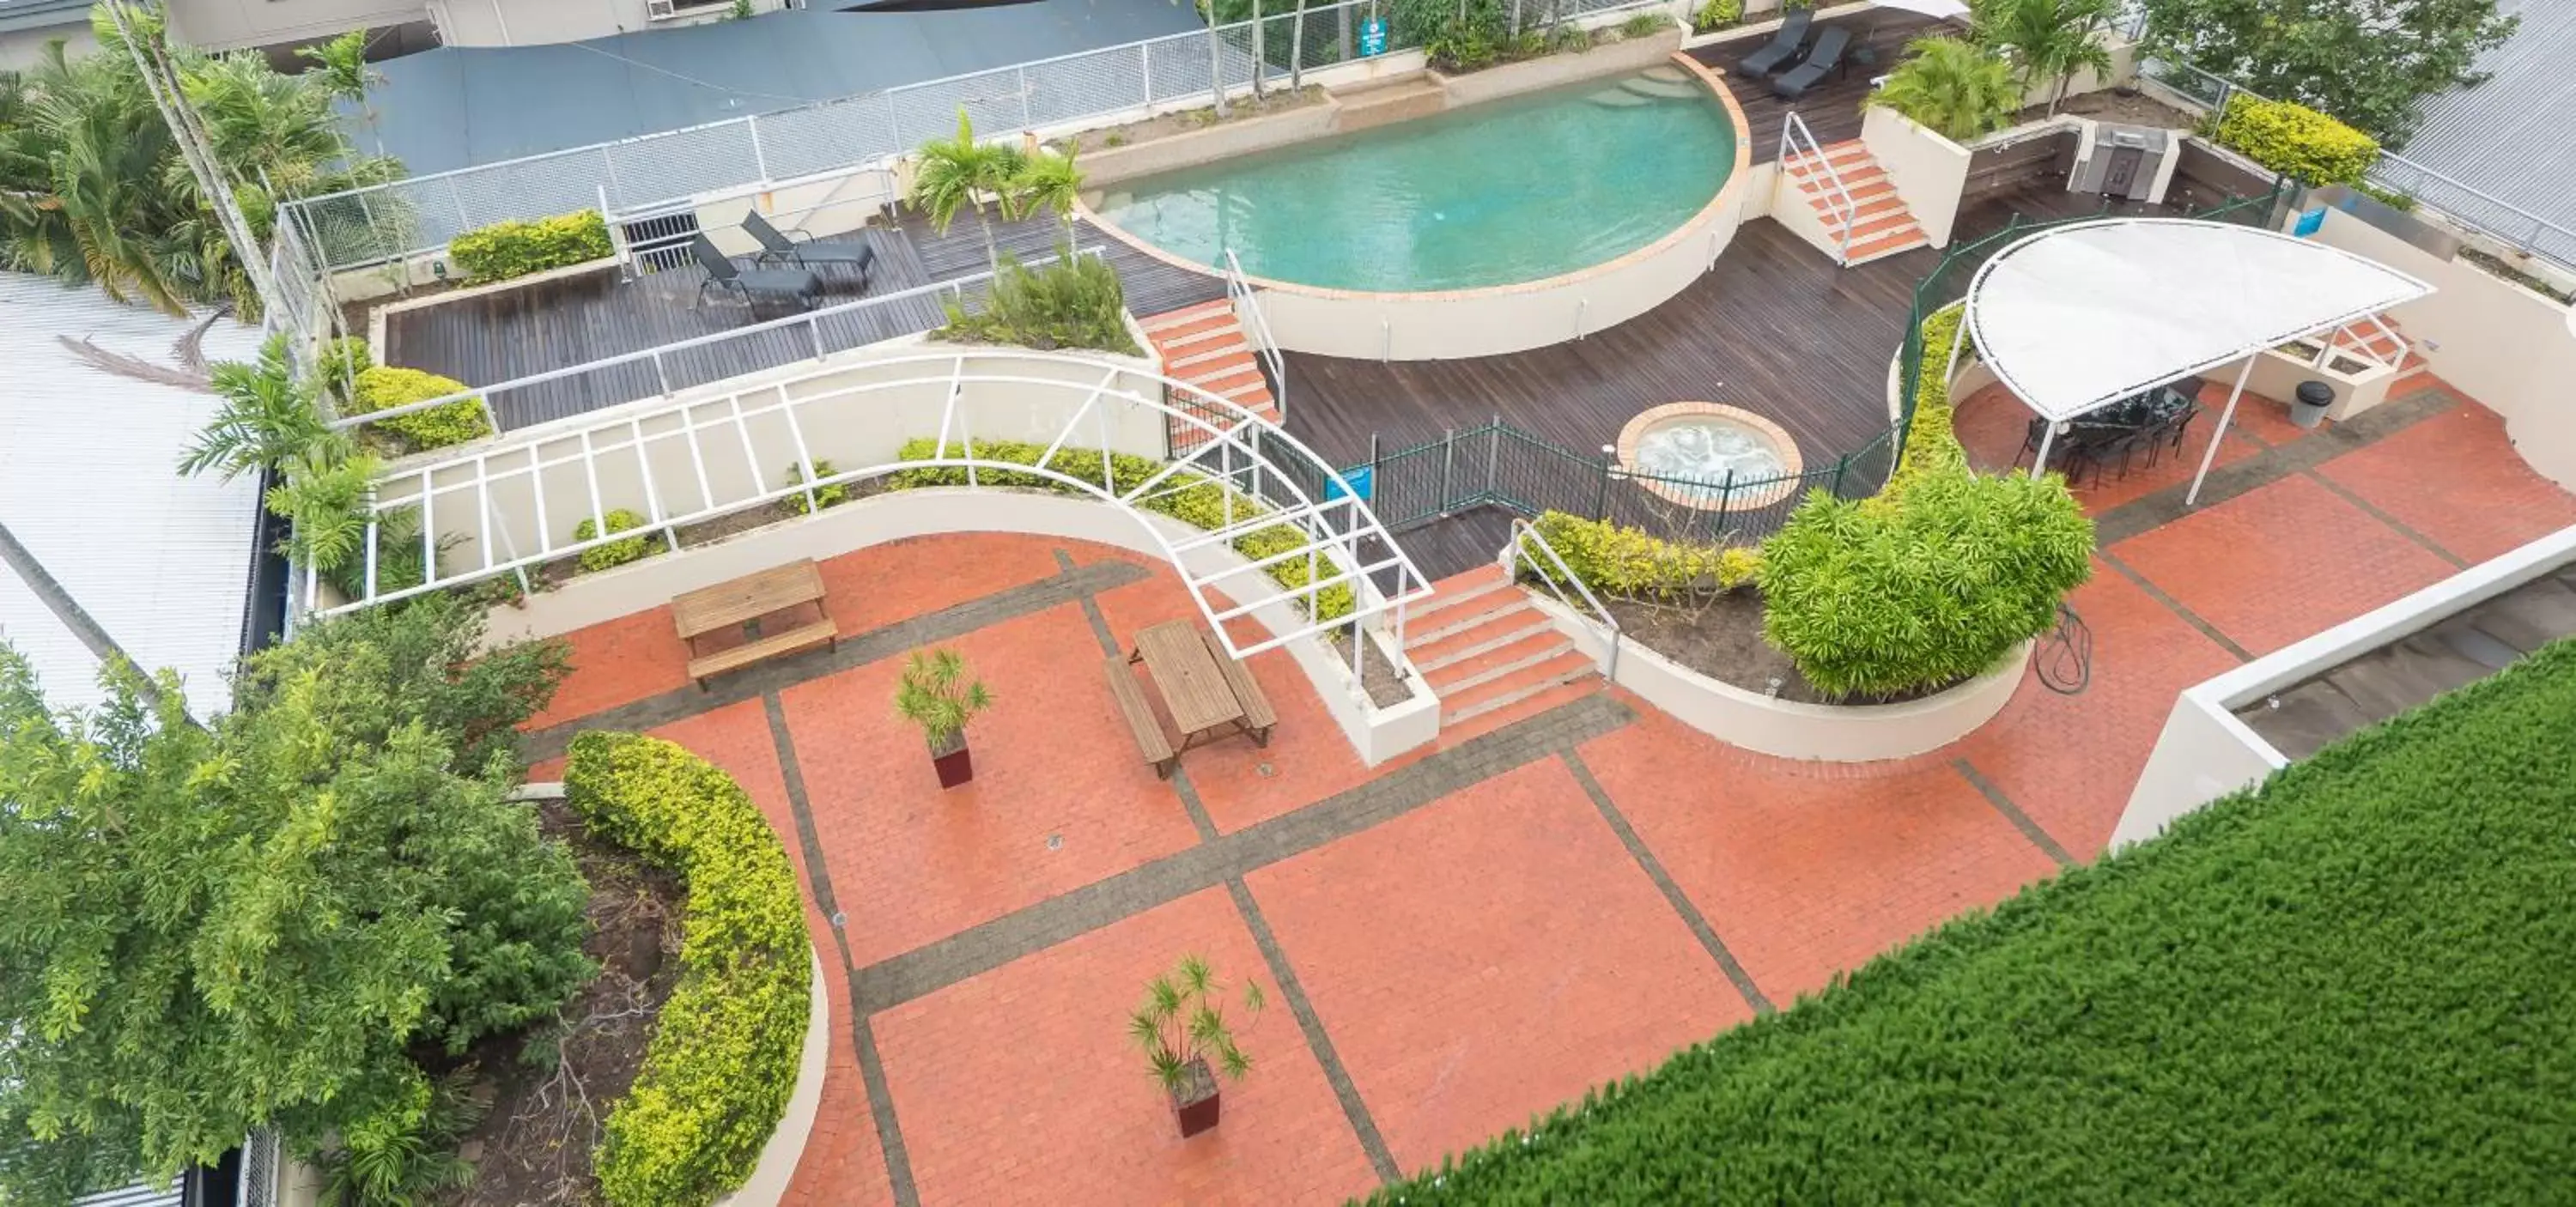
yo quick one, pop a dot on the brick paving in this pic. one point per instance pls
(1556, 895)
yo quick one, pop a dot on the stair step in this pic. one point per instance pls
(1665, 73)
(1821, 193)
(1519, 685)
(1440, 615)
(1214, 327)
(1511, 659)
(1157, 324)
(1892, 243)
(1492, 631)
(1882, 222)
(1202, 358)
(1863, 209)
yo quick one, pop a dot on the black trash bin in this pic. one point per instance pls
(2315, 398)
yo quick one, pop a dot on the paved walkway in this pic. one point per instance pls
(1471, 934)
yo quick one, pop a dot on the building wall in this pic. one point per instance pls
(532, 22)
(235, 24)
(23, 48)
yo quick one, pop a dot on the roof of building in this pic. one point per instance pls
(2507, 137)
(458, 106)
(20, 15)
(89, 486)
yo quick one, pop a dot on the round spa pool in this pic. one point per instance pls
(1500, 193)
(1705, 455)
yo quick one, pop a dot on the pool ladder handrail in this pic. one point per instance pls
(1797, 140)
(1239, 292)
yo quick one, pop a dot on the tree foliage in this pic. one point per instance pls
(2049, 40)
(260, 920)
(2368, 62)
(93, 190)
(1952, 87)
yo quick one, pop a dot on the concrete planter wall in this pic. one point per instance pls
(1832, 733)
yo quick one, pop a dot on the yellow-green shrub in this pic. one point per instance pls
(2309, 147)
(1189, 498)
(1629, 563)
(1931, 444)
(725, 1052)
(384, 387)
(614, 553)
(514, 249)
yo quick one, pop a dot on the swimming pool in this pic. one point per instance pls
(1500, 193)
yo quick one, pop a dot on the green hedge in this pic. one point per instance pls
(2348, 987)
(514, 249)
(1628, 563)
(2310, 147)
(383, 387)
(1189, 498)
(1931, 443)
(614, 553)
(725, 1052)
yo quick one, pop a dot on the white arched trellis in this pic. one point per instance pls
(510, 505)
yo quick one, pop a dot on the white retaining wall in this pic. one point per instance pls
(1930, 172)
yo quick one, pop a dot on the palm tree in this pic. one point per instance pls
(2051, 39)
(340, 69)
(1952, 87)
(1049, 181)
(960, 172)
(268, 419)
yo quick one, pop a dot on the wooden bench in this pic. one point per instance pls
(1258, 718)
(1141, 722)
(743, 604)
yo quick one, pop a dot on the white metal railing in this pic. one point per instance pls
(1525, 537)
(1247, 302)
(1798, 142)
(659, 357)
(497, 509)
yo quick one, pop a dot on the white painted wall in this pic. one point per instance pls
(531, 22)
(1930, 172)
(1377, 734)
(2205, 753)
(232, 24)
(21, 49)
(2504, 345)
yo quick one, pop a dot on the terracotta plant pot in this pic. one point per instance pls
(952, 760)
(1195, 1100)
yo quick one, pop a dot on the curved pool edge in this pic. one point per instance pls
(1493, 320)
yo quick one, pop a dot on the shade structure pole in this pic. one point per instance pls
(2225, 418)
(2047, 436)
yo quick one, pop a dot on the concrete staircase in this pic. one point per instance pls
(2413, 373)
(1205, 346)
(1883, 227)
(1490, 654)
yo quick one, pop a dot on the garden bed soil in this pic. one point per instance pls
(2126, 107)
(1722, 639)
(1386, 688)
(534, 1143)
(1278, 100)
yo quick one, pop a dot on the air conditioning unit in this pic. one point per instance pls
(2130, 162)
(659, 10)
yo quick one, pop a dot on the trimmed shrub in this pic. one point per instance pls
(1628, 563)
(1075, 303)
(832, 495)
(614, 553)
(1189, 498)
(1874, 599)
(2346, 986)
(1717, 14)
(725, 1052)
(515, 249)
(2307, 146)
(1645, 25)
(1931, 444)
(384, 387)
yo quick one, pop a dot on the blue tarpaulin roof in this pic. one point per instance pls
(458, 106)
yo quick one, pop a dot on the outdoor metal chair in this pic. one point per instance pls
(1781, 50)
(723, 277)
(1826, 59)
(777, 246)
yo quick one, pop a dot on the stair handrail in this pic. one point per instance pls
(1796, 140)
(1524, 536)
(1239, 293)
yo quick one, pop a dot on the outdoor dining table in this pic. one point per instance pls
(1204, 705)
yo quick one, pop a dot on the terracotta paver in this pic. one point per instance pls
(1059, 798)
(1489, 956)
(2281, 562)
(2455, 478)
(631, 658)
(1991, 425)
(881, 584)
(1021, 1085)
(1808, 869)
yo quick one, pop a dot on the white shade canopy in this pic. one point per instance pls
(1943, 9)
(2077, 317)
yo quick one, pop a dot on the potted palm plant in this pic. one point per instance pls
(936, 695)
(1183, 1030)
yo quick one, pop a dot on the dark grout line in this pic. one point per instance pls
(2273, 463)
(2174, 606)
(907, 1193)
(944, 962)
(1665, 884)
(2396, 525)
(1311, 1024)
(859, 649)
(2021, 821)
(1180, 781)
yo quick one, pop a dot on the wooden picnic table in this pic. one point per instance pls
(744, 604)
(1210, 695)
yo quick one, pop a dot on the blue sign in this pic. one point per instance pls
(1372, 43)
(2310, 222)
(1363, 480)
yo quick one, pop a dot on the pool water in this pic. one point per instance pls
(1493, 194)
(1707, 450)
